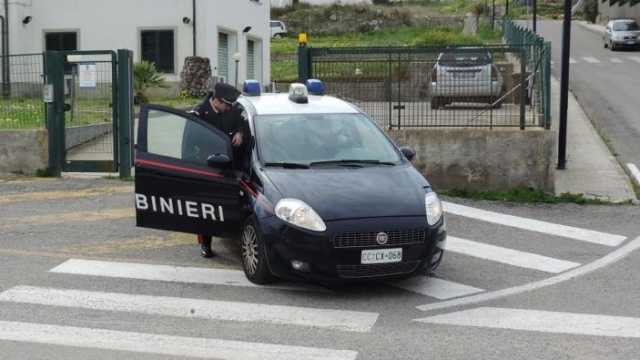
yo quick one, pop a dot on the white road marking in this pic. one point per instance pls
(591, 60)
(508, 256)
(541, 321)
(544, 227)
(189, 275)
(194, 308)
(601, 263)
(635, 58)
(635, 172)
(572, 61)
(436, 288)
(174, 346)
(616, 61)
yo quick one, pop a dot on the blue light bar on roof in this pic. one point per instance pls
(251, 88)
(315, 87)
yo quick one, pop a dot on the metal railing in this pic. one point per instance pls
(21, 104)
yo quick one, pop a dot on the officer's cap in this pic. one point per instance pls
(226, 93)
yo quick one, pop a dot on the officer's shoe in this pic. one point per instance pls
(205, 251)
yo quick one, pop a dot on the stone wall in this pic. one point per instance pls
(482, 159)
(23, 151)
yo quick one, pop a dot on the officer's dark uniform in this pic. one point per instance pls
(230, 122)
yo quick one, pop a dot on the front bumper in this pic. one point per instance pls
(335, 255)
(630, 43)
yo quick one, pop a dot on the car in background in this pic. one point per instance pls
(278, 29)
(465, 75)
(621, 33)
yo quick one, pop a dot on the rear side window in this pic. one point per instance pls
(465, 59)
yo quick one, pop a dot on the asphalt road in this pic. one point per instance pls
(606, 84)
(78, 280)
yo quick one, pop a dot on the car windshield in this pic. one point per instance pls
(310, 139)
(626, 26)
(465, 59)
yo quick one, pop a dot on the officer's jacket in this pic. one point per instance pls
(230, 122)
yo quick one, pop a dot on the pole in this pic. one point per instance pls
(506, 8)
(125, 113)
(195, 29)
(535, 16)
(564, 86)
(493, 14)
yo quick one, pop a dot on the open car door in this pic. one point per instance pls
(183, 179)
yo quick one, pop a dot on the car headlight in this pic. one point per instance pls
(300, 214)
(434, 208)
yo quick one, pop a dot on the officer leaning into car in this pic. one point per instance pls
(220, 110)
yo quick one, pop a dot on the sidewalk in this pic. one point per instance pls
(600, 29)
(591, 168)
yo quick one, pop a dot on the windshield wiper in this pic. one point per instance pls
(352, 162)
(287, 165)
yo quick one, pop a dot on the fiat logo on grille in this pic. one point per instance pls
(382, 238)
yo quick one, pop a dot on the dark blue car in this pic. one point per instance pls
(319, 192)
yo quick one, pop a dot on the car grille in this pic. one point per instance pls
(368, 239)
(376, 270)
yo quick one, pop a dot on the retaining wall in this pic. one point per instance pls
(23, 151)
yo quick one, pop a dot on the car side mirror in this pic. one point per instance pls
(408, 152)
(219, 161)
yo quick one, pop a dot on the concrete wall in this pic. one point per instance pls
(23, 151)
(614, 11)
(116, 24)
(482, 159)
(79, 135)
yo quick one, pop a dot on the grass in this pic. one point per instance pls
(525, 195)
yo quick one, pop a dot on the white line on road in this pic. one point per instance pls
(436, 288)
(541, 321)
(613, 257)
(635, 172)
(189, 275)
(194, 308)
(616, 61)
(174, 346)
(508, 256)
(591, 60)
(544, 227)
(635, 58)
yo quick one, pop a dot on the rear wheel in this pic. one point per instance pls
(435, 103)
(254, 254)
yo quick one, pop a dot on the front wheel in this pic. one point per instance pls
(254, 255)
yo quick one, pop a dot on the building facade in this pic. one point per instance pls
(228, 32)
(614, 9)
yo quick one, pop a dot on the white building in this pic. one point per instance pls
(283, 3)
(161, 31)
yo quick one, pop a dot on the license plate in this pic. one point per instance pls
(631, 42)
(383, 256)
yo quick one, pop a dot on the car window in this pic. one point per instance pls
(178, 137)
(308, 138)
(465, 59)
(626, 26)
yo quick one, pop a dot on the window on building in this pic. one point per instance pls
(61, 41)
(223, 56)
(251, 60)
(158, 47)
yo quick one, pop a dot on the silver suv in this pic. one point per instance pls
(620, 33)
(465, 75)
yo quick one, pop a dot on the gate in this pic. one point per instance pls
(401, 87)
(89, 112)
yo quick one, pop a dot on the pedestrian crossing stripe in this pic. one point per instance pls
(436, 288)
(175, 346)
(342, 320)
(616, 61)
(591, 60)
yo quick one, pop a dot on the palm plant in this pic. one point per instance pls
(145, 76)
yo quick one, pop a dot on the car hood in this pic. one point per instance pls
(347, 193)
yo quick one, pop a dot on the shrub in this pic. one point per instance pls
(445, 37)
(591, 10)
(145, 76)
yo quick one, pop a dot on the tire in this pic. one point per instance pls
(435, 103)
(606, 45)
(254, 255)
(612, 46)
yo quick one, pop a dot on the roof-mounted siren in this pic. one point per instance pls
(315, 87)
(298, 93)
(252, 88)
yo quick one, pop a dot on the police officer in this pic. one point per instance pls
(220, 110)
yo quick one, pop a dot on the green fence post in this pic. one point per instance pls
(547, 85)
(523, 88)
(304, 63)
(54, 69)
(125, 112)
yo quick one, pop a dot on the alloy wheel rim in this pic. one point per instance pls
(250, 249)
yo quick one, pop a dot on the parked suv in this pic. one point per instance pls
(278, 29)
(465, 75)
(620, 33)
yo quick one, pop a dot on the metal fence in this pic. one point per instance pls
(22, 79)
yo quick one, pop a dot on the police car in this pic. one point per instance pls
(319, 192)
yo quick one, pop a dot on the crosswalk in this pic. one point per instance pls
(591, 60)
(337, 320)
